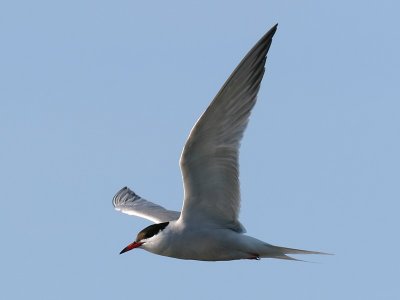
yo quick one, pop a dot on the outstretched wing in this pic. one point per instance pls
(209, 161)
(128, 202)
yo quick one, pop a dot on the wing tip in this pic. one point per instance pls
(270, 33)
(122, 196)
(267, 38)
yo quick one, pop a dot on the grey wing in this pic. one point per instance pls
(209, 161)
(128, 202)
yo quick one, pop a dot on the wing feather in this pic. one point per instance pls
(209, 161)
(130, 203)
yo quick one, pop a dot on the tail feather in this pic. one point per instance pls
(280, 252)
(285, 250)
(287, 257)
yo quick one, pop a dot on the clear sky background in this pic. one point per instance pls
(96, 95)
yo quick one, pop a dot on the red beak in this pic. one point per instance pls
(131, 246)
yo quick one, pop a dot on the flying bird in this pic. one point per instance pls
(208, 228)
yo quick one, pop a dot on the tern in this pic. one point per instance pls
(208, 228)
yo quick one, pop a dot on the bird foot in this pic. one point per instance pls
(254, 256)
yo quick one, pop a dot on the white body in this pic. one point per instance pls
(204, 243)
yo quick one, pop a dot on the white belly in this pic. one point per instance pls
(204, 244)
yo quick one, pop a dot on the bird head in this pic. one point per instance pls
(144, 235)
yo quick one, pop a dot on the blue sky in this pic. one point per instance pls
(96, 95)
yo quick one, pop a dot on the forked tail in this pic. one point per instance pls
(280, 252)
